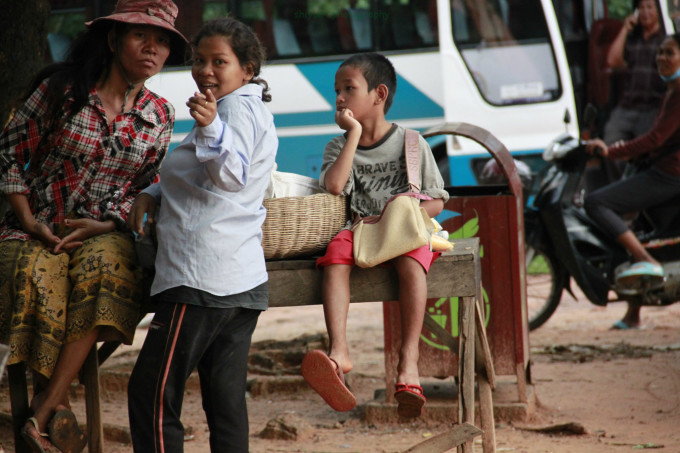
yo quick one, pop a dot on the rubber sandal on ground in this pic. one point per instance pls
(622, 325)
(410, 400)
(65, 433)
(325, 376)
(32, 442)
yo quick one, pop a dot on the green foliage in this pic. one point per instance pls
(619, 9)
(69, 23)
(214, 10)
(538, 266)
(332, 7)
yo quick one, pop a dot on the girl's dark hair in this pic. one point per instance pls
(87, 61)
(377, 69)
(244, 43)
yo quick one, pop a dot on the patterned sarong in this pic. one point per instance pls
(47, 300)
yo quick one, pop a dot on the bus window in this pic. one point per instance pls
(506, 47)
(288, 29)
(66, 20)
(406, 24)
(674, 13)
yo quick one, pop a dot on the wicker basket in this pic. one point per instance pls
(301, 226)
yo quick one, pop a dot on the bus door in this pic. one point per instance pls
(504, 68)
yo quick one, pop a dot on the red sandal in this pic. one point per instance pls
(411, 400)
(324, 375)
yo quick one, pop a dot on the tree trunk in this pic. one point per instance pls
(23, 47)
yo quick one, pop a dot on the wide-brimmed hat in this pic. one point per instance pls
(160, 13)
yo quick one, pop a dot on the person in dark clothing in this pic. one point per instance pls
(633, 52)
(656, 185)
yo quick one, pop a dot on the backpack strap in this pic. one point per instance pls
(412, 152)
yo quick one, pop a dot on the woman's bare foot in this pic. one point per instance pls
(39, 399)
(41, 416)
(38, 434)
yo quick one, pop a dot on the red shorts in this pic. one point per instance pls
(340, 251)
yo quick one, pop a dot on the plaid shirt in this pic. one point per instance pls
(643, 89)
(88, 167)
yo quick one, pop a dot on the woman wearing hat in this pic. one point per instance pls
(87, 139)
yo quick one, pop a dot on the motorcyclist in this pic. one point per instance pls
(657, 183)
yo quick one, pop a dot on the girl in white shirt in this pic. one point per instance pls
(211, 279)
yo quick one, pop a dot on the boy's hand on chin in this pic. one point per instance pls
(345, 119)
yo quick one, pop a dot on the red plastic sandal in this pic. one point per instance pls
(411, 400)
(324, 375)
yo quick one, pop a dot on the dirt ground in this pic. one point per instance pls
(622, 387)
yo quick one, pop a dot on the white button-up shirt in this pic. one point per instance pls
(210, 193)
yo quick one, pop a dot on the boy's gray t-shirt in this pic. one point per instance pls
(379, 171)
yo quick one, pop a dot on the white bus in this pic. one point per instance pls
(513, 67)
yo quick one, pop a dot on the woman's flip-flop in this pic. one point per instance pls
(324, 375)
(65, 433)
(411, 400)
(30, 440)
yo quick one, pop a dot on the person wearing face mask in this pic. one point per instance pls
(656, 183)
(87, 139)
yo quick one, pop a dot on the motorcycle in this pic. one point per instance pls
(563, 243)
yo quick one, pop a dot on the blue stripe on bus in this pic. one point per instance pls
(302, 155)
(434, 141)
(410, 103)
(460, 166)
(322, 77)
(183, 126)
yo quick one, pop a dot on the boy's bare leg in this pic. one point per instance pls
(412, 300)
(335, 296)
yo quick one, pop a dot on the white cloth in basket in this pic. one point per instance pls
(284, 184)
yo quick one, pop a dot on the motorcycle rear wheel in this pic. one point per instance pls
(545, 280)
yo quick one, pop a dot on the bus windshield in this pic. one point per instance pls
(506, 46)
